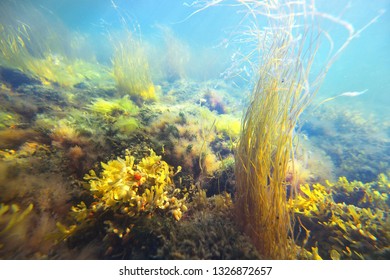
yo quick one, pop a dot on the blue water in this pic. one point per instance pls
(365, 64)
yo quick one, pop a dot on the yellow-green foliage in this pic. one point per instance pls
(56, 69)
(11, 216)
(131, 69)
(130, 191)
(12, 44)
(143, 187)
(188, 132)
(123, 106)
(64, 133)
(228, 125)
(7, 119)
(284, 53)
(348, 220)
(126, 125)
(43, 63)
(118, 112)
(103, 107)
(39, 44)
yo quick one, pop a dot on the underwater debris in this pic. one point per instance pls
(348, 93)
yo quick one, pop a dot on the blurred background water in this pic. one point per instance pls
(365, 64)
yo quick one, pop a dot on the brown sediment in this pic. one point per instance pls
(12, 138)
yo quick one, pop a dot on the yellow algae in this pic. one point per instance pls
(372, 237)
(347, 251)
(359, 255)
(228, 125)
(265, 147)
(42, 54)
(11, 216)
(132, 190)
(315, 256)
(343, 224)
(109, 107)
(65, 231)
(131, 69)
(334, 254)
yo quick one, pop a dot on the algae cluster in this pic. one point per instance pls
(351, 216)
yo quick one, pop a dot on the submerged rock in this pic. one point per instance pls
(15, 78)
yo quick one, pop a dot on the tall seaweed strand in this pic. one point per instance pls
(285, 84)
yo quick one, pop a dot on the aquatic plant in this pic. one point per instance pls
(11, 138)
(38, 44)
(281, 58)
(214, 102)
(113, 107)
(344, 220)
(131, 69)
(64, 134)
(126, 125)
(356, 141)
(116, 115)
(8, 120)
(126, 192)
(30, 175)
(10, 216)
(55, 69)
(177, 56)
(229, 126)
(265, 144)
(186, 133)
(103, 107)
(309, 165)
(221, 240)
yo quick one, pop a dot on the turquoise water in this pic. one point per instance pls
(363, 65)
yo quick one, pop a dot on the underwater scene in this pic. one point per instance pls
(208, 129)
